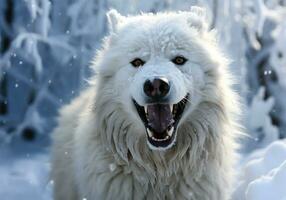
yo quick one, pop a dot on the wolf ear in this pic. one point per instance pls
(198, 18)
(114, 19)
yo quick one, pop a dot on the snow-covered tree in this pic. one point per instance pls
(264, 28)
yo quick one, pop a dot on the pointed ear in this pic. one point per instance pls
(114, 18)
(198, 18)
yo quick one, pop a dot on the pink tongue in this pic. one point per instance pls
(159, 117)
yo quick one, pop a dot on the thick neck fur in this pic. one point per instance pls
(200, 161)
(196, 144)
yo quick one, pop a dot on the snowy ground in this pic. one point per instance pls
(262, 176)
(25, 178)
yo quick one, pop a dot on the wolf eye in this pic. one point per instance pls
(137, 62)
(179, 60)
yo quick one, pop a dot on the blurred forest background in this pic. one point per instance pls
(46, 47)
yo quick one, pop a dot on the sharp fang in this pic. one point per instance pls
(171, 108)
(150, 134)
(170, 132)
(145, 109)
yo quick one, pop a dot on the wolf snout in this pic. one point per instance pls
(157, 88)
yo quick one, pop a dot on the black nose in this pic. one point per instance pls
(156, 89)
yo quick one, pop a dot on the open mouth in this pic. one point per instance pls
(161, 121)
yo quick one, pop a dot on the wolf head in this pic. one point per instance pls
(163, 77)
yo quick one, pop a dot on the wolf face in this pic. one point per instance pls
(160, 92)
(158, 68)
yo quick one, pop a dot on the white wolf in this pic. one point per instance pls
(160, 120)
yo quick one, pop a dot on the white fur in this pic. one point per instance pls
(100, 149)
